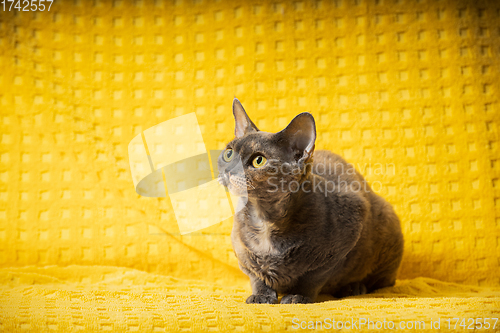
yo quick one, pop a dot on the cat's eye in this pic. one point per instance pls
(228, 155)
(259, 161)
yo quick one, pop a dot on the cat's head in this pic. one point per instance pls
(261, 164)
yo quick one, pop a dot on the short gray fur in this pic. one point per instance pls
(302, 243)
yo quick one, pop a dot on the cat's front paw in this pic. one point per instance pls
(262, 299)
(295, 299)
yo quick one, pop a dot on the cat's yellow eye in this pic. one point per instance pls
(228, 155)
(259, 161)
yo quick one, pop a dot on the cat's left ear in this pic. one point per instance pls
(300, 135)
(243, 124)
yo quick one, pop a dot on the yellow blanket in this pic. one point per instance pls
(408, 91)
(119, 299)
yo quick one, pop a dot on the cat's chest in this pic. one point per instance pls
(264, 251)
(262, 242)
(255, 241)
(269, 259)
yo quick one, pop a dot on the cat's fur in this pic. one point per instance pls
(302, 243)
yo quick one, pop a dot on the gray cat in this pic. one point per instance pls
(308, 227)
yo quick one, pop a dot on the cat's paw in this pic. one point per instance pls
(352, 289)
(262, 299)
(295, 299)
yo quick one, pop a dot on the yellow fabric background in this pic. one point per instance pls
(412, 86)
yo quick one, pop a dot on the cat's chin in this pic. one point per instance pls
(236, 191)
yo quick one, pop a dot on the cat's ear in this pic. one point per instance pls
(300, 135)
(243, 124)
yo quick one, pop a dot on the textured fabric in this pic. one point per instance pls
(120, 299)
(408, 91)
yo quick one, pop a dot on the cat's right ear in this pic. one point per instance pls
(300, 136)
(243, 124)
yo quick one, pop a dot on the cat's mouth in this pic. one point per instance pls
(237, 185)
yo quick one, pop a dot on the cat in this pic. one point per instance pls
(309, 223)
